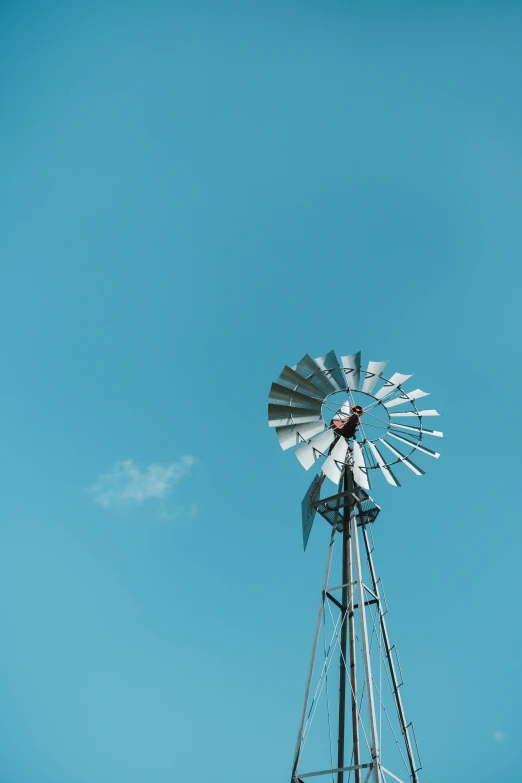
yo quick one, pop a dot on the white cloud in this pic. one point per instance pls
(499, 736)
(128, 484)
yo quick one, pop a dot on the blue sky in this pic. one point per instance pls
(193, 195)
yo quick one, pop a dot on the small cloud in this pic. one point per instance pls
(499, 736)
(128, 484)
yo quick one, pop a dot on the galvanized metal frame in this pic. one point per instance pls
(354, 511)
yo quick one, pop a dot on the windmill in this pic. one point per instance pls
(354, 424)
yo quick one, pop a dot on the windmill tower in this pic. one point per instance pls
(355, 424)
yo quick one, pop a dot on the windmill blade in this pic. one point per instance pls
(415, 413)
(373, 372)
(406, 460)
(417, 446)
(418, 430)
(360, 471)
(391, 385)
(292, 380)
(309, 452)
(306, 455)
(284, 396)
(284, 415)
(296, 433)
(308, 510)
(414, 395)
(313, 373)
(386, 471)
(334, 464)
(352, 369)
(323, 442)
(329, 364)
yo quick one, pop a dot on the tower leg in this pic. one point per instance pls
(363, 630)
(312, 659)
(391, 665)
(353, 673)
(348, 628)
(343, 664)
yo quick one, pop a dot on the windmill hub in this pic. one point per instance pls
(374, 418)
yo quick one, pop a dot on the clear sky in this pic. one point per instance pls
(194, 194)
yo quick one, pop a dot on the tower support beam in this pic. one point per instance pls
(391, 665)
(353, 669)
(343, 665)
(347, 659)
(363, 630)
(299, 743)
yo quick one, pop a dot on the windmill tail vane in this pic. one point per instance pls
(354, 424)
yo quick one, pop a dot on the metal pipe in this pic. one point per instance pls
(343, 640)
(348, 618)
(353, 669)
(374, 741)
(312, 658)
(391, 665)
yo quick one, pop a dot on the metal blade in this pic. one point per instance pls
(333, 466)
(308, 511)
(329, 364)
(406, 460)
(309, 452)
(373, 372)
(435, 433)
(297, 433)
(284, 396)
(416, 413)
(323, 442)
(392, 384)
(413, 395)
(313, 373)
(292, 380)
(386, 471)
(284, 415)
(352, 369)
(360, 471)
(306, 455)
(414, 445)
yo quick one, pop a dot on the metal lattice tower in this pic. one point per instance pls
(353, 724)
